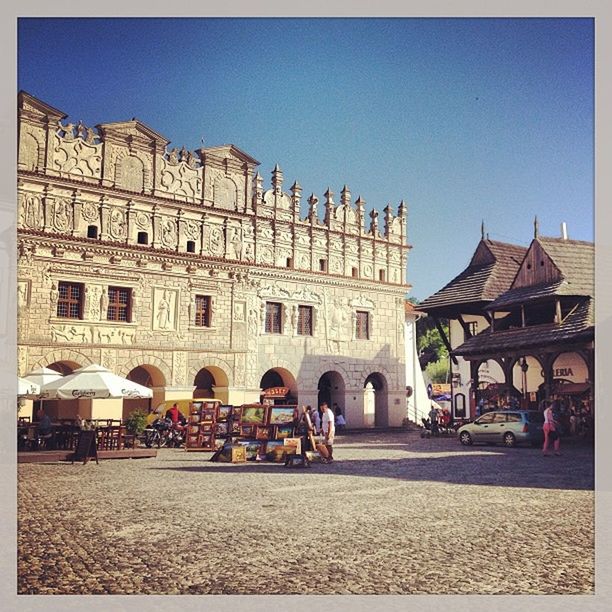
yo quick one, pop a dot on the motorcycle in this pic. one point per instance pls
(162, 432)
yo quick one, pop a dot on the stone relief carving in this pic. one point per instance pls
(253, 322)
(236, 243)
(54, 296)
(240, 369)
(338, 325)
(362, 302)
(70, 333)
(108, 359)
(249, 252)
(266, 256)
(192, 229)
(62, 215)
(307, 295)
(216, 242)
(78, 156)
(336, 265)
(179, 177)
(367, 270)
(117, 223)
(225, 193)
(179, 367)
(33, 212)
(142, 220)
(273, 291)
(130, 173)
(93, 295)
(23, 294)
(239, 311)
(168, 233)
(89, 211)
(164, 310)
(29, 150)
(104, 303)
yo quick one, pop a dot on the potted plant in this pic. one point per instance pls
(135, 424)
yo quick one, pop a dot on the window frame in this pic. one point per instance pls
(302, 328)
(202, 316)
(360, 316)
(118, 305)
(274, 325)
(70, 301)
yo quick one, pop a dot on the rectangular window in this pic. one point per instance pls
(70, 300)
(202, 311)
(363, 325)
(119, 304)
(304, 326)
(273, 318)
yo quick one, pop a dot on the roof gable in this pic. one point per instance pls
(135, 127)
(537, 268)
(229, 150)
(28, 102)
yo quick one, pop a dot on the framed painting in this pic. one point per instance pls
(206, 441)
(194, 429)
(248, 431)
(236, 428)
(263, 432)
(253, 415)
(210, 404)
(206, 428)
(252, 448)
(236, 413)
(195, 407)
(194, 417)
(219, 442)
(208, 415)
(221, 429)
(224, 412)
(283, 431)
(281, 415)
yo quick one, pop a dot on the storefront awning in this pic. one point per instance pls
(572, 388)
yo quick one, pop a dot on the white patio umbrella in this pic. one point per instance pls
(26, 388)
(42, 376)
(96, 382)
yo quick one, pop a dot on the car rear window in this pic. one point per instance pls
(535, 417)
(514, 417)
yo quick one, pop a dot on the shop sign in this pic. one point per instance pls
(276, 392)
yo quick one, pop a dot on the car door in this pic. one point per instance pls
(481, 427)
(498, 427)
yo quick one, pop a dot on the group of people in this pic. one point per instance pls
(438, 417)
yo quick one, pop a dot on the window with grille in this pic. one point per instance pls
(70, 300)
(119, 304)
(363, 326)
(273, 317)
(202, 311)
(304, 325)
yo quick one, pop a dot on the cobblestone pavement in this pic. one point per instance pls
(395, 514)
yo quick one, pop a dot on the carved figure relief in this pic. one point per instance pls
(253, 325)
(164, 313)
(23, 294)
(33, 212)
(248, 252)
(236, 243)
(104, 303)
(192, 230)
(62, 215)
(179, 368)
(54, 298)
(216, 241)
(181, 178)
(239, 311)
(117, 223)
(129, 174)
(108, 359)
(169, 233)
(89, 211)
(92, 302)
(70, 333)
(266, 256)
(77, 156)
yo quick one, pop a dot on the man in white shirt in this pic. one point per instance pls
(329, 429)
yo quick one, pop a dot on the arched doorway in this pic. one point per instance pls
(332, 390)
(211, 382)
(148, 376)
(376, 401)
(528, 381)
(280, 377)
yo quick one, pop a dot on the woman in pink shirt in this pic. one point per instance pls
(550, 432)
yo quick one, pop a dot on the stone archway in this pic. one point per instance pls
(375, 401)
(280, 377)
(332, 390)
(149, 376)
(211, 382)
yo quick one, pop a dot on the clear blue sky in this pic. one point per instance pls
(464, 119)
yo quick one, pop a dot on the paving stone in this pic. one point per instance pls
(396, 514)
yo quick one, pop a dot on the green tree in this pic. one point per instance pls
(437, 371)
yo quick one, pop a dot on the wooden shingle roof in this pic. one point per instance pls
(575, 260)
(577, 327)
(490, 273)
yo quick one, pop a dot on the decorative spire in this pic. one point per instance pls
(374, 222)
(312, 207)
(345, 196)
(329, 205)
(360, 206)
(277, 180)
(258, 189)
(296, 196)
(536, 227)
(482, 230)
(388, 219)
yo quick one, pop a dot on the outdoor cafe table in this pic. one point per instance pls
(63, 436)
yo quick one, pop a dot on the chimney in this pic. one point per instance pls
(564, 230)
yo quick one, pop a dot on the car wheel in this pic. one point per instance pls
(465, 438)
(509, 440)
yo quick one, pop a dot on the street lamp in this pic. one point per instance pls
(524, 368)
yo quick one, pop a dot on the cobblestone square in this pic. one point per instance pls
(395, 514)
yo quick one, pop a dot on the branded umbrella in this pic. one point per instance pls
(26, 388)
(42, 376)
(96, 382)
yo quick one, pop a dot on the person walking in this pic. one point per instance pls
(433, 419)
(329, 429)
(316, 421)
(550, 432)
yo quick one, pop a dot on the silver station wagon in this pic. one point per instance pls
(507, 427)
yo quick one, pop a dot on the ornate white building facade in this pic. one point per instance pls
(179, 270)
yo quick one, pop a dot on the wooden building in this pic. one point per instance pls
(521, 325)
